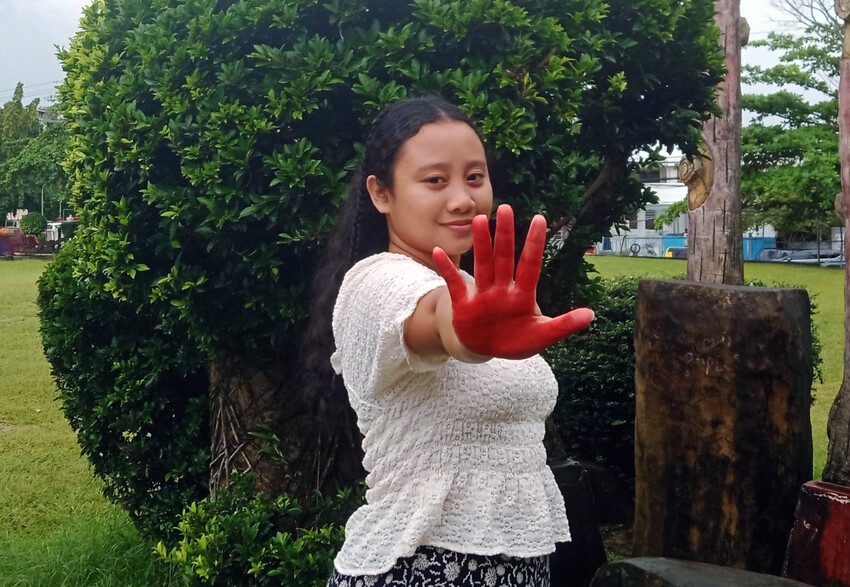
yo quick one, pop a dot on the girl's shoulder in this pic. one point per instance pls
(388, 259)
(386, 274)
(386, 265)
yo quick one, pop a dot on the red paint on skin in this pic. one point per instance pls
(499, 317)
(835, 541)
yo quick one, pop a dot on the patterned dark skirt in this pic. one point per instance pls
(431, 566)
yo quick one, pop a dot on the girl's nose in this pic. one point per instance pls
(461, 201)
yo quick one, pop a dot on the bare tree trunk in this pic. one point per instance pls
(260, 424)
(715, 248)
(838, 458)
(242, 402)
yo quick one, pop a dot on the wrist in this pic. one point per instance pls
(451, 343)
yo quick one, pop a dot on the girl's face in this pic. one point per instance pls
(440, 182)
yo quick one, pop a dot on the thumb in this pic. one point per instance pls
(569, 323)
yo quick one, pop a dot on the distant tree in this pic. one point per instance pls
(820, 19)
(18, 123)
(790, 149)
(36, 171)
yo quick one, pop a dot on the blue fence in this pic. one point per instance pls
(752, 244)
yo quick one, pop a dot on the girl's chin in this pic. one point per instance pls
(455, 250)
(458, 243)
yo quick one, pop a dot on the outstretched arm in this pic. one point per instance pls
(498, 316)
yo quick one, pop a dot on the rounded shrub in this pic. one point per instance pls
(33, 224)
(209, 147)
(67, 229)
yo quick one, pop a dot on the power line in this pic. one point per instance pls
(12, 90)
(30, 96)
(29, 93)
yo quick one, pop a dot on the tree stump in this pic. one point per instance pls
(722, 433)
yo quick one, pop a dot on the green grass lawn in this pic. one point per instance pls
(825, 286)
(56, 528)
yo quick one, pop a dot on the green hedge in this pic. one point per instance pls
(245, 538)
(595, 370)
(135, 395)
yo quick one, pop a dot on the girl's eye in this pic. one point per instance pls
(475, 177)
(434, 179)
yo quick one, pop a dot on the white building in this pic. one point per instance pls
(645, 238)
(13, 219)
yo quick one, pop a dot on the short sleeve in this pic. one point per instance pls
(377, 296)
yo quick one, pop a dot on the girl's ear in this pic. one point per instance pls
(379, 194)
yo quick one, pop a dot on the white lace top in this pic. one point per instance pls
(454, 451)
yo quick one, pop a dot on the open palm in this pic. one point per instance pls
(498, 317)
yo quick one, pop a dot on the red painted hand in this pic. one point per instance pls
(498, 317)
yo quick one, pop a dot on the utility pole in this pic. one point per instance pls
(715, 248)
(838, 455)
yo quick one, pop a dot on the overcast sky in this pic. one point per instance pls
(29, 30)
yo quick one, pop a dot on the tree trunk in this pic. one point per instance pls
(715, 248)
(259, 424)
(723, 439)
(838, 457)
(242, 403)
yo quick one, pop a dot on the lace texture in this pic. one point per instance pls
(454, 451)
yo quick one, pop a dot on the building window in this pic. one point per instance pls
(633, 221)
(649, 223)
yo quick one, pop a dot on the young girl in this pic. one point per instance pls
(442, 371)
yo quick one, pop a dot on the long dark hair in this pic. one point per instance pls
(361, 232)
